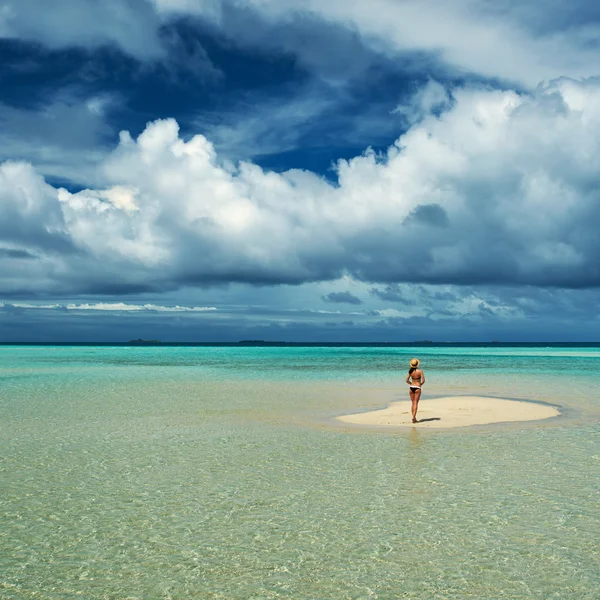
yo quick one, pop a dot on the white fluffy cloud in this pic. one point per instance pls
(501, 188)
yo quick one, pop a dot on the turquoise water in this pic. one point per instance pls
(198, 472)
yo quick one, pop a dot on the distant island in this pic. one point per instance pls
(141, 341)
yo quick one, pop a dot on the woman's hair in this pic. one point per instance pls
(410, 371)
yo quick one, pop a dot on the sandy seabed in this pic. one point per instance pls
(453, 411)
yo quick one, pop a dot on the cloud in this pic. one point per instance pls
(429, 214)
(64, 137)
(30, 215)
(131, 25)
(342, 298)
(109, 307)
(501, 188)
(309, 124)
(430, 98)
(439, 313)
(506, 40)
(12, 253)
(514, 41)
(392, 293)
(259, 125)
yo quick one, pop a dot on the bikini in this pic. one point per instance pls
(414, 387)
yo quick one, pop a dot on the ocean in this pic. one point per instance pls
(216, 472)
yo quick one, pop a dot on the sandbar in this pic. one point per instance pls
(453, 411)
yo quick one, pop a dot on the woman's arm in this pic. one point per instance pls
(422, 378)
(408, 378)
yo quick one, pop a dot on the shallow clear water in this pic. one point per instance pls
(208, 473)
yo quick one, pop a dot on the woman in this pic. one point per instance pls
(418, 379)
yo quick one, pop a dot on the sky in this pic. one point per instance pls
(299, 170)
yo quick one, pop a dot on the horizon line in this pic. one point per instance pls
(289, 343)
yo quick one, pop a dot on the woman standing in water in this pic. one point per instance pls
(418, 379)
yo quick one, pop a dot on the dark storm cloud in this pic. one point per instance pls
(544, 315)
(121, 288)
(342, 298)
(576, 305)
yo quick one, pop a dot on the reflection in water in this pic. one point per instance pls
(415, 438)
(418, 463)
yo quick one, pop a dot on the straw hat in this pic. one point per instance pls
(414, 363)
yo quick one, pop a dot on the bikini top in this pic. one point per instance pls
(416, 377)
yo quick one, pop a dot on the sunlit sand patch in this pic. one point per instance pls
(454, 411)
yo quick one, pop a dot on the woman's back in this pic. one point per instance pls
(416, 375)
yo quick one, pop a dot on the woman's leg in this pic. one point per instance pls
(414, 398)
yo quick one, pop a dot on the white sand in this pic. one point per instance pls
(454, 411)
